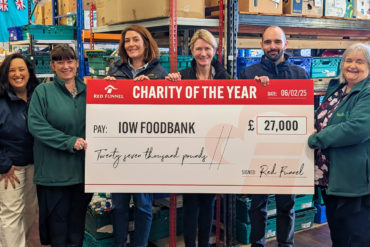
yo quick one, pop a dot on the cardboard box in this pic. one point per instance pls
(212, 3)
(39, 15)
(119, 11)
(313, 8)
(66, 6)
(361, 9)
(261, 6)
(48, 13)
(86, 4)
(339, 8)
(292, 7)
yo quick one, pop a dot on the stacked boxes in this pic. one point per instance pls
(292, 7)
(361, 9)
(119, 11)
(272, 7)
(313, 8)
(337, 8)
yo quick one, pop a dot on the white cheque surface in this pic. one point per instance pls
(199, 148)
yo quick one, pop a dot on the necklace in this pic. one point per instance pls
(74, 92)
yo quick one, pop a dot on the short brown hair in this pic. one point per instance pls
(62, 51)
(151, 47)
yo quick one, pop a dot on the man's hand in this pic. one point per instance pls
(264, 80)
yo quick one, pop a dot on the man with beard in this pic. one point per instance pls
(274, 65)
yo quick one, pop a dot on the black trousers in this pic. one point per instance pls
(348, 219)
(62, 214)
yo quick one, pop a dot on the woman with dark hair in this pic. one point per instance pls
(57, 122)
(17, 191)
(198, 208)
(139, 61)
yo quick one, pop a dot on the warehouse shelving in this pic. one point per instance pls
(242, 31)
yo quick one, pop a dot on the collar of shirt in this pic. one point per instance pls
(136, 71)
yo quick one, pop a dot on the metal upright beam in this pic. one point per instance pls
(232, 32)
(80, 46)
(173, 68)
(92, 40)
(29, 11)
(173, 36)
(220, 45)
(220, 29)
(54, 10)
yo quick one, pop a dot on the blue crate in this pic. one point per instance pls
(325, 67)
(15, 33)
(320, 216)
(243, 62)
(304, 62)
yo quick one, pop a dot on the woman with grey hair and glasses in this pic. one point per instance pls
(342, 144)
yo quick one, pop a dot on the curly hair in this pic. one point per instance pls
(4, 72)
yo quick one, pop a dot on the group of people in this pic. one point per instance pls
(42, 143)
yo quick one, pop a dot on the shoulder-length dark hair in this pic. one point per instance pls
(4, 72)
(151, 47)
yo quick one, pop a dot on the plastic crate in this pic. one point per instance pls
(94, 221)
(304, 62)
(183, 62)
(242, 232)
(303, 201)
(43, 32)
(304, 218)
(271, 206)
(270, 231)
(243, 205)
(320, 216)
(243, 62)
(160, 224)
(15, 33)
(41, 62)
(99, 61)
(90, 241)
(324, 67)
(318, 195)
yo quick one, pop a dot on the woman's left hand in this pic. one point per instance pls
(10, 177)
(80, 144)
(141, 78)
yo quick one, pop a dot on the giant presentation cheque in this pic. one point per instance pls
(219, 136)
